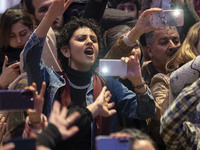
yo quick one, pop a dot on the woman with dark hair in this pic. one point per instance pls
(16, 27)
(78, 84)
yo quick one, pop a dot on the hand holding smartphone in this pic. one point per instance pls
(10, 63)
(167, 18)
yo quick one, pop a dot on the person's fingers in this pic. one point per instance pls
(3, 128)
(30, 111)
(2, 121)
(108, 97)
(32, 89)
(15, 65)
(122, 58)
(72, 118)
(112, 112)
(70, 132)
(56, 107)
(5, 61)
(103, 90)
(67, 3)
(110, 105)
(63, 112)
(34, 85)
(126, 60)
(107, 94)
(149, 11)
(132, 57)
(43, 88)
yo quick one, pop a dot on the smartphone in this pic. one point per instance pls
(112, 67)
(10, 63)
(109, 143)
(16, 99)
(165, 18)
(22, 143)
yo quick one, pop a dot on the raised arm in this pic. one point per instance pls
(125, 44)
(56, 9)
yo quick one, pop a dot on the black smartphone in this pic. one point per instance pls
(10, 63)
(16, 99)
(22, 143)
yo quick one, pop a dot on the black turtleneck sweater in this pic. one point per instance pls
(80, 79)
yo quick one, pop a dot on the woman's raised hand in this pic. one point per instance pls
(58, 7)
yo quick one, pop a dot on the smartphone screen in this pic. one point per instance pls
(168, 18)
(112, 67)
(16, 100)
(109, 143)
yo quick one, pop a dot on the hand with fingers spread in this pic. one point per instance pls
(101, 105)
(58, 118)
(2, 126)
(35, 114)
(143, 25)
(9, 74)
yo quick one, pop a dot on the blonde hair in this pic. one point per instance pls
(187, 51)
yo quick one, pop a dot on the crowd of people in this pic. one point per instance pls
(52, 48)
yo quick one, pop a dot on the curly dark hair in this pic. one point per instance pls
(67, 32)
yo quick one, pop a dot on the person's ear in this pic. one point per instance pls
(65, 51)
(148, 50)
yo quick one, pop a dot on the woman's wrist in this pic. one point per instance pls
(93, 108)
(139, 86)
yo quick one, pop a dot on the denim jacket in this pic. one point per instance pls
(128, 103)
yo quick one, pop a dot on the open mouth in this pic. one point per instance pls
(89, 51)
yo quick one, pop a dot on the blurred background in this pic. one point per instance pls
(4, 4)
